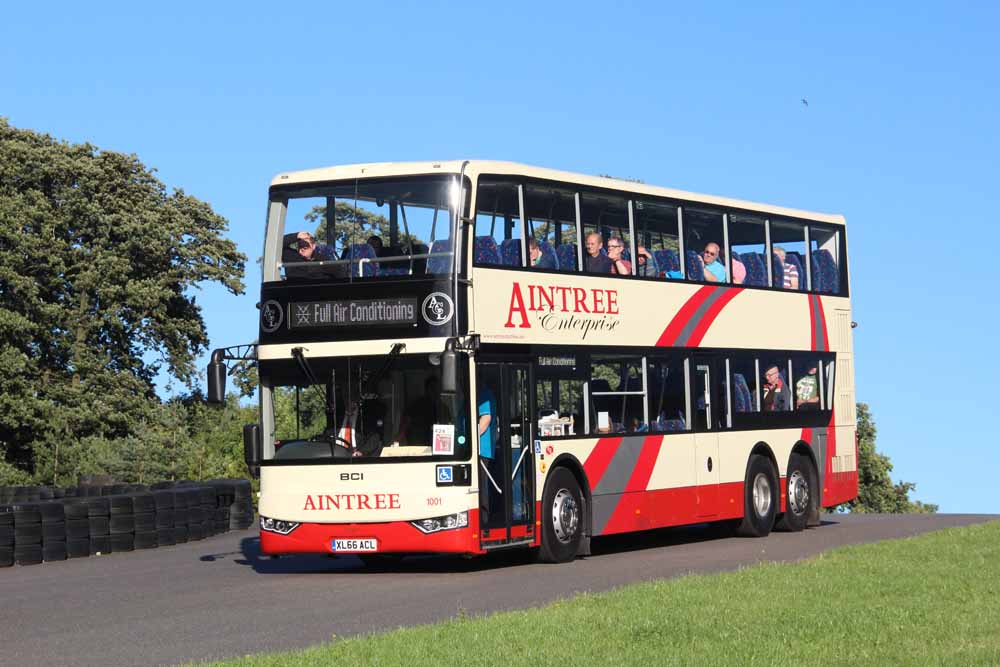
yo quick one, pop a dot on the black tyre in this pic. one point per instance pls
(77, 529)
(6, 556)
(6, 516)
(122, 542)
(100, 545)
(26, 513)
(99, 506)
(143, 503)
(99, 525)
(77, 548)
(6, 536)
(164, 500)
(76, 509)
(121, 505)
(801, 495)
(562, 517)
(28, 554)
(180, 534)
(52, 512)
(165, 537)
(53, 532)
(145, 523)
(122, 524)
(196, 531)
(164, 518)
(27, 534)
(54, 551)
(146, 540)
(760, 498)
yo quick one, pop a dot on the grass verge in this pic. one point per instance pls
(930, 599)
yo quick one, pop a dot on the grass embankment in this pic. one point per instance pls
(929, 599)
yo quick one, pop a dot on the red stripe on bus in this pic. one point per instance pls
(683, 316)
(709, 317)
(597, 463)
(645, 510)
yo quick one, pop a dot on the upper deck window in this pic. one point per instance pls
(368, 228)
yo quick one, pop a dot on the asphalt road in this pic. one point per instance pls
(218, 598)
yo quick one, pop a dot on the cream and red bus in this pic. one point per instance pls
(460, 357)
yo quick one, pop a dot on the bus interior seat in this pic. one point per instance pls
(548, 251)
(695, 268)
(440, 263)
(510, 252)
(361, 251)
(667, 260)
(744, 402)
(566, 254)
(486, 251)
(826, 275)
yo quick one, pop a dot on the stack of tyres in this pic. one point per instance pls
(145, 520)
(207, 500)
(53, 530)
(6, 536)
(98, 516)
(181, 516)
(241, 511)
(27, 534)
(196, 515)
(163, 499)
(224, 497)
(122, 523)
(77, 528)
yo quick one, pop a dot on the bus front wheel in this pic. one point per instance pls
(562, 517)
(760, 498)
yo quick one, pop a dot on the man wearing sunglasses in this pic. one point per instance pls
(715, 272)
(310, 251)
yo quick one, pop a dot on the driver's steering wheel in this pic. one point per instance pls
(344, 451)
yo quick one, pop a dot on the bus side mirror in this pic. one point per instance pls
(449, 368)
(217, 379)
(252, 450)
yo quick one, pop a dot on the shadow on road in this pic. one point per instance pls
(249, 554)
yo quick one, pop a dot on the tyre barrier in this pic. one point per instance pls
(40, 524)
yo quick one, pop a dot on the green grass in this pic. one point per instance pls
(933, 599)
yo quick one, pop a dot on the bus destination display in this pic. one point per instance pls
(373, 312)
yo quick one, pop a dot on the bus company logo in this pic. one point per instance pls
(353, 501)
(271, 316)
(438, 309)
(571, 310)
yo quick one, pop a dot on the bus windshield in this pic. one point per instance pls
(365, 409)
(381, 228)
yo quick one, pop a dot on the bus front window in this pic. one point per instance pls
(366, 229)
(365, 410)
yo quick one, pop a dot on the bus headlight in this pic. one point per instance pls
(277, 526)
(439, 523)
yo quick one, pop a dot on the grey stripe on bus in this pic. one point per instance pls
(818, 328)
(696, 318)
(604, 507)
(616, 476)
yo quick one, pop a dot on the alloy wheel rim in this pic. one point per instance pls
(798, 492)
(565, 515)
(761, 494)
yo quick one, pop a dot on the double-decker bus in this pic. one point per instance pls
(459, 357)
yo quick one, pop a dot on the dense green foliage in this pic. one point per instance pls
(932, 599)
(97, 267)
(876, 491)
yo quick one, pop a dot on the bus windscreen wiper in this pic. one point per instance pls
(372, 385)
(298, 353)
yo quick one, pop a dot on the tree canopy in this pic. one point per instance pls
(98, 267)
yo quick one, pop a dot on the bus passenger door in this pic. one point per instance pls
(507, 473)
(707, 411)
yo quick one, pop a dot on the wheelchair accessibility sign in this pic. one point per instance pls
(444, 474)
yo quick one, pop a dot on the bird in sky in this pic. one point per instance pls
(805, 101)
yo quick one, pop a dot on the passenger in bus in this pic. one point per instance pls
(790, 272)
(487, 424)
(739, 271)
(807, 391)
(645, 265)
(715, 272)
(310, 251)
(539, 259)
(594, 261)
(376, 243)
(776, 398)
(619, 265)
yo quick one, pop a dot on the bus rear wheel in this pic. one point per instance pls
(801, 496)
(562, 518)
(760, 498)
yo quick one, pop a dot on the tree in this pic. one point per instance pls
(876, 492)
(98, 263)
(354, 225)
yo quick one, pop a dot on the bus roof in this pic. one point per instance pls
(383, 169)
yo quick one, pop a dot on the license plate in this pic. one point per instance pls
(355, 544)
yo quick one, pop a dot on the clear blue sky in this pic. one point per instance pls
(900, 135)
